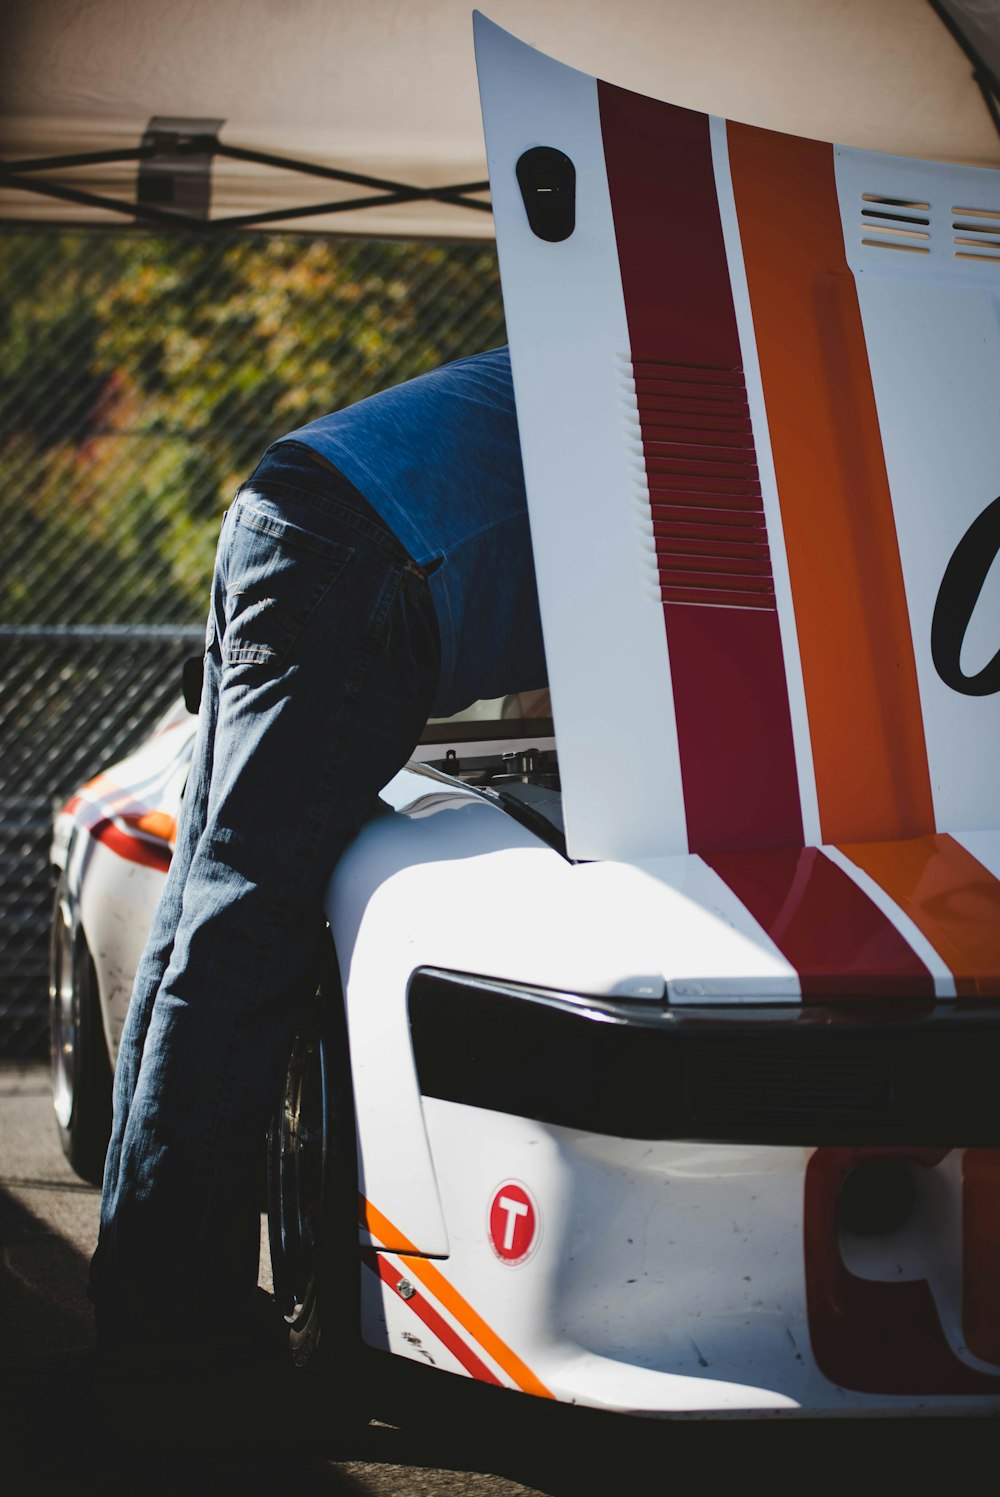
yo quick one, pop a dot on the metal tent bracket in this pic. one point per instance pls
(173, 188)
(177, 172)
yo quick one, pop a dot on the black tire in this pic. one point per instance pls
(81, 1069)
(313, 1190)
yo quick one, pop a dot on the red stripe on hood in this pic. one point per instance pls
(836, 938)
(727, 667)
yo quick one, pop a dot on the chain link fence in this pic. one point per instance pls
(141, 377)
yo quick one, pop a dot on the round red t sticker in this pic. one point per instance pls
(513, 1223)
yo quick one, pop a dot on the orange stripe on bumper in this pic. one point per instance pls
(853, 626)
(470, 1320)
(950, 897)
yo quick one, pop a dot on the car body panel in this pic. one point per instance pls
(112, 841)
(668, 1277)
(680, 1278)
(800, 341)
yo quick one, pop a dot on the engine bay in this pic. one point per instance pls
(525, 781)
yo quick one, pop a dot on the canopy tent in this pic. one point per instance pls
(383, 96)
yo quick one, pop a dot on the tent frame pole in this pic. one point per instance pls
(24, 175)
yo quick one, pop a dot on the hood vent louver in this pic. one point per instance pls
(976, 234)
(698, 494)
(906, 225)
(899, 224)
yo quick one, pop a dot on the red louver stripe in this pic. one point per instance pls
(835, 937)
(730, 695)
(434, 1322)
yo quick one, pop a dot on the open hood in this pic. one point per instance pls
(755, 378)
(756, 384)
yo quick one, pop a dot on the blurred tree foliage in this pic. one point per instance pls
(142, 376)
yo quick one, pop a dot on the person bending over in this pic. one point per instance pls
(374, 571)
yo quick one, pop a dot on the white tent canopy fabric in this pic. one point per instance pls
(386, 89)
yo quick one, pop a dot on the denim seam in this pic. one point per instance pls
(334, 555)
(293, 624)
(294, 535)
(372, 527)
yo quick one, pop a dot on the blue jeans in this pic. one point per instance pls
(321, 662)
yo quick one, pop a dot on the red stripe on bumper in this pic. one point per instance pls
(435, 1323)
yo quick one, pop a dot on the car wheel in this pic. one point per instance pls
(313, 1190)
(81, 1070)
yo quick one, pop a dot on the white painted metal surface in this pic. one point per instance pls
(935, 362)
(601, 612)
(668, 1279)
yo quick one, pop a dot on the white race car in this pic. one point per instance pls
(665, 1080)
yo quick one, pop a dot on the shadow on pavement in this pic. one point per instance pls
(63, 1431)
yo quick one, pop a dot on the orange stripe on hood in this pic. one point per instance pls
(950, 897)
(853, 627)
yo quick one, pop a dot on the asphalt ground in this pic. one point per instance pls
(418, 1432)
